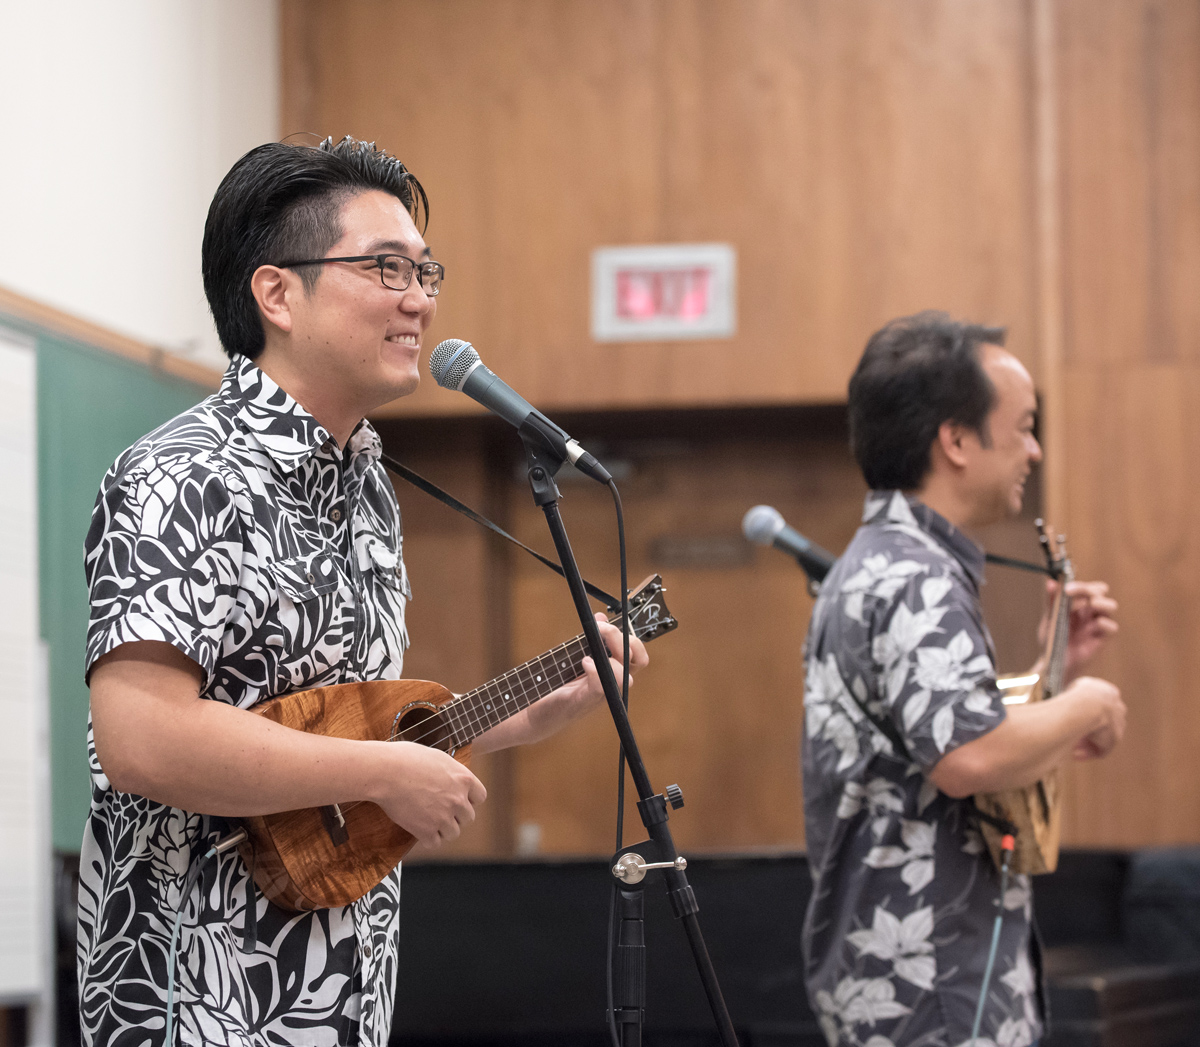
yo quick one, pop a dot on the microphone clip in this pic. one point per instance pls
(545, 453)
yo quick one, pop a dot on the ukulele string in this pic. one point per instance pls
(573, 650)
(462, 710)
(536, 677)
(428, 733)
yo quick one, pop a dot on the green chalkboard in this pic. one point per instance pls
(91, 406)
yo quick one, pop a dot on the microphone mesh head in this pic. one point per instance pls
(762, 523)
(450, 362)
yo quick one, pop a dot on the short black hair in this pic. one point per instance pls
(916, 373)
(282, 201)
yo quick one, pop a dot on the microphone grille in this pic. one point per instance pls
(450, 362)
(762, 523)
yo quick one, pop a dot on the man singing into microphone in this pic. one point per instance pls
(903, 718)
(249, 548)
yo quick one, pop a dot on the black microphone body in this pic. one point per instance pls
(455, 364)
(815, 560)
(764, 525)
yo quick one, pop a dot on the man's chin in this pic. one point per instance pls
(396, 388)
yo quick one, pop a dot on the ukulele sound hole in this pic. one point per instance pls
(425, 725)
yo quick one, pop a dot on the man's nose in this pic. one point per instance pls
(413, 298)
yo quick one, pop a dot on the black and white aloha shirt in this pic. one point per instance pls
(242, 535)
(904, 893)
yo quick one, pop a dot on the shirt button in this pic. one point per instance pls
(327, 446)
(311, 577)
(335, 515)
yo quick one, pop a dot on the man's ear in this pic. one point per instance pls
(271, 287)
(951, 441)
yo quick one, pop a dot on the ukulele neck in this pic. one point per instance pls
(495, 701)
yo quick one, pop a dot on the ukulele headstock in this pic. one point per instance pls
(648, 614)
(1058, 563)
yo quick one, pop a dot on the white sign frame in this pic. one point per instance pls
(718, 261)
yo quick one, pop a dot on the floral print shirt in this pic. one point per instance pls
(241, 534)
(900, 671)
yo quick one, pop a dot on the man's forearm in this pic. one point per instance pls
(1028, 745)
(212, 758)
(156, 737)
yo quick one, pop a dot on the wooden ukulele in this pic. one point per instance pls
(1036, 810)
(320, 858)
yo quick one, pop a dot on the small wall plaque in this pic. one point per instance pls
(644, 294)
(706, 552)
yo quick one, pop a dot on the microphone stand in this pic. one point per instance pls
(545, 453)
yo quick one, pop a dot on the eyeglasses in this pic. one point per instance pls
(395, 271)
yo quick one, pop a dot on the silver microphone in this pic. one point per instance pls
(765, 525)
(455, 364)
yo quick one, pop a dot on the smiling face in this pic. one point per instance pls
(994, 475)
(352, 342)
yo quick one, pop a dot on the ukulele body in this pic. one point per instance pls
(295, 859)
(1035, 810)
(325, 857)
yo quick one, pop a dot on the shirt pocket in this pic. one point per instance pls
(309, 642)
(391, 594)
(388, 566)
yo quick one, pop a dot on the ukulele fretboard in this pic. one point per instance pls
(495, 701)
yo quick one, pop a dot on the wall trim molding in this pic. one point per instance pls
(57, 322)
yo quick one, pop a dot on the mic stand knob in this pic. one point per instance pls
(631, 867)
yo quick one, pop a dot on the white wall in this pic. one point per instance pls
(117, 120)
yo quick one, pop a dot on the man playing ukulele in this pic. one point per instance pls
(903, 719)
(249, 548)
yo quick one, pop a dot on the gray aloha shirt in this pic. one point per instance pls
(897, 932)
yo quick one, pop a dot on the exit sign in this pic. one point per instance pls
(661, 291)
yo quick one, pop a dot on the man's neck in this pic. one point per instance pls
(947, 502)
(318, 398)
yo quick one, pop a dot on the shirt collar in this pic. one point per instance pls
(898, 509)
(288, 433)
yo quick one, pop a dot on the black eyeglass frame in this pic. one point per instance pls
(378, 260)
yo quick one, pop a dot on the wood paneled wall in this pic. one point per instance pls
(718, 713)
(719, 710)
(866, 159)
(1028, 162)
(1129, 75)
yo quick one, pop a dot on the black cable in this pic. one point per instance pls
(625, 646)
(435, 492)
(1020, 565)
(612, 895)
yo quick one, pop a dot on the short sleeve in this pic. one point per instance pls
(162, 560)
(936, 669)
